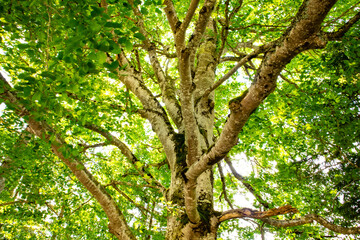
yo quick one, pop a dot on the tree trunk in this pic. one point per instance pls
(179, 226)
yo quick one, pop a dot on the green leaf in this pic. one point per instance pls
(126, 5)
(95, 27)
(60, 55)
(113, 25)
(72, 23)
(134, 29)
(111, 66)
(126, 43)
(115, 48)
(101, 57)
(26, 76)
(80, 167)
(36, 96)
(158, 11)
(144, 11)
(139, 36)
(48, 75)
(23, 46)
(96, 11)
(103, 46)
(118, 32)
(27, 91)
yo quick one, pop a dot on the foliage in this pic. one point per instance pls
(63, 62)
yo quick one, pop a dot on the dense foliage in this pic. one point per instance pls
(65, 63)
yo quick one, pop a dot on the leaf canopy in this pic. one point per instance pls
(65, 60)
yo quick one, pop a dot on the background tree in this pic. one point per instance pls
(118, 116)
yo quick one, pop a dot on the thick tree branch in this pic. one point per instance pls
(186, 83)
(203, 79)
(310, 219)
(153, 111)
(250, 213)
(201, 24)
(189, 15)
(335, 228)
(167, 90)
(288, 223)
(191, 202)
(203, 117)
(171, 16)
(187, 109)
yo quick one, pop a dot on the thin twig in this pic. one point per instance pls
(84, 203)
(245, 183)
(224, 185)
(13, 202)
(142, 209)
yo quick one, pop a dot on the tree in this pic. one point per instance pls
(120, 115)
